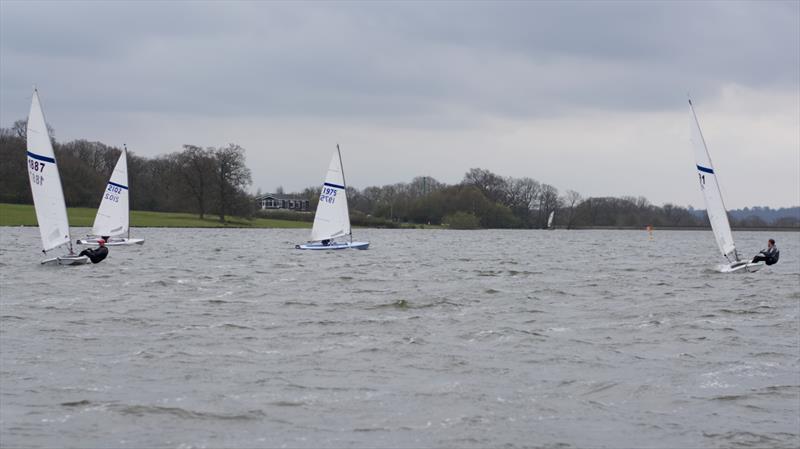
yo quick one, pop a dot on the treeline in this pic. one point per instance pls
(764, 216)
(207, 181)
(486, 200)
(214, 181)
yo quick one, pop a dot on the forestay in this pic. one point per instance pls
(48, 198)
(709, 185)
(332, 218)
(112, 216)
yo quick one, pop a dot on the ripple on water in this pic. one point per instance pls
(422, 341)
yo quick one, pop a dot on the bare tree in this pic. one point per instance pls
(521, 196)
(196, 167)
(232, 176)
(571, 201)
(490, 184)
(20, 128)
(548, 202)
(423, 185)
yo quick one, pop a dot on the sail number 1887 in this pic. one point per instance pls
(36, 166)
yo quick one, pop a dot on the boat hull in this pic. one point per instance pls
(741, 267)
(113, 241)
(316, 246)
(67, 260)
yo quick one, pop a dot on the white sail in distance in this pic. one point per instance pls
(48, 197)
(709, 185)
(112, 215)
(550, 219)
(332, 218)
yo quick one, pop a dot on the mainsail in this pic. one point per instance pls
(112, 215)
(48, 198)
(709, 185)
(332, 218)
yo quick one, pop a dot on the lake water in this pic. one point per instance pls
(431, 338)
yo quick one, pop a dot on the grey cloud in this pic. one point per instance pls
(401, 60)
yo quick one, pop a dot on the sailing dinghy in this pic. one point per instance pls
(112, 219)
(332, 219)
(550, 221)
(48, 196)
(717, 214)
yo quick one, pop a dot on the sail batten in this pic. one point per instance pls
(332, 218)
(709, 185)
(48, 196)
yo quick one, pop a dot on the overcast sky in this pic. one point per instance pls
(588, 96)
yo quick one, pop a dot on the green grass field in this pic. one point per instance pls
(24, 215)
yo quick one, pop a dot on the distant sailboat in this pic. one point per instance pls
(715, 207)
(113, 215)
(550, 220)
(332, 219)
(48, 196)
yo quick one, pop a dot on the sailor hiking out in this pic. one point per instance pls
(770, 255)
(96, 255)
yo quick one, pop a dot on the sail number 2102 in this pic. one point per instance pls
(112, 193)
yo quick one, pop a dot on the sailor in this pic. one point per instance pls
(96, 255)
(326, 242)
(770, 255)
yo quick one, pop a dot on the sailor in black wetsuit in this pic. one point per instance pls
(770, 255)
(96, 255)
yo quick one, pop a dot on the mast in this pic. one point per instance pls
(125, 153)
(344, 183)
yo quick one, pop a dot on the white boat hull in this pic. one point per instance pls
(113, 241)
(317, 246)
(67, 260)
(741, 267)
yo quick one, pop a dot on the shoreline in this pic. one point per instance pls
(16, 215)
(430, 227)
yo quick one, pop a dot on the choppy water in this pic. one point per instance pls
(231, 338)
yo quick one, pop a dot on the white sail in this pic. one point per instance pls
(332, 218)
(112, 215)
(48, 197)
(550, 219)
(709, 185)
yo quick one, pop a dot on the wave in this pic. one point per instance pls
(76, 403)
(233, 326)
(752, 439)
(739, 312)
(144, 410)
(288, 403)
(404, 304)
